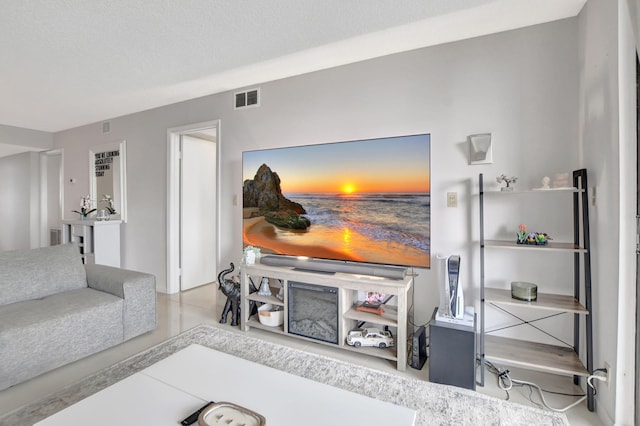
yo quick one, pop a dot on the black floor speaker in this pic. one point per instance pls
(419, 348)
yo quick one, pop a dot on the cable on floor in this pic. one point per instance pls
(506, 383)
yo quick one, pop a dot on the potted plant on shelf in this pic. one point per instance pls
(531, 238)
(106, 198)
(508, 181)
(85, 207)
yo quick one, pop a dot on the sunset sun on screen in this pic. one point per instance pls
(348, 188)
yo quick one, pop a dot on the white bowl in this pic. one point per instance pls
(269, 316)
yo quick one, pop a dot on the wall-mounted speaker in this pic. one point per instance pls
(480, 149)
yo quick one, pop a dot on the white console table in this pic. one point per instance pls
(348, 286)
(99, 241)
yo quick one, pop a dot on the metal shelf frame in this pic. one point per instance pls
(528, 354)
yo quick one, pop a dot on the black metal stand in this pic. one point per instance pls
(581, 203)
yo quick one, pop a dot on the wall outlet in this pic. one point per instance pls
(452, 199)
(609, 374)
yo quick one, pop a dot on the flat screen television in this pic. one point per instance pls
(357, 201)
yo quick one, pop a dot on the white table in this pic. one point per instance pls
(168, 391)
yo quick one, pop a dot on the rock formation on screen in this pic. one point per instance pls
(264, 192)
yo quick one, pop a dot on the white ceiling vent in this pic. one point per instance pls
(250, 98)
(106, 126)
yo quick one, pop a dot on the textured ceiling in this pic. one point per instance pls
(66, 63)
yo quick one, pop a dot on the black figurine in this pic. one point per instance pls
(231, 289)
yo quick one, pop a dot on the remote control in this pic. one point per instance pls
(192, 418)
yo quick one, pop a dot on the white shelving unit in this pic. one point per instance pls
(99, 241)
(533, 355)
(348, 286)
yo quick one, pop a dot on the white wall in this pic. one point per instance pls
(607, 133)
(26, 137)
(19, 192)
(19, 187)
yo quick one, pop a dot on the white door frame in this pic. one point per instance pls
(173, 198)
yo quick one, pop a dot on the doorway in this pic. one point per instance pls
(51, 197)
(192, 237)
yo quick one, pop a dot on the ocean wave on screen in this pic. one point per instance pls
(399, 218)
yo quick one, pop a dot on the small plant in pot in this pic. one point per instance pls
(508, 181)
(531, 238)
(85, 207)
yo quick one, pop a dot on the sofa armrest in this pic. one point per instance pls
(138, 289)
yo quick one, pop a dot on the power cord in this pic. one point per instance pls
(506, 383)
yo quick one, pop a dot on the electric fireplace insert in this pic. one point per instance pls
(313, 311)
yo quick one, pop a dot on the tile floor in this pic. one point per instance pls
(180, 312)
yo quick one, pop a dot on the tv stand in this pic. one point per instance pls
(348, 285)
(327, 265)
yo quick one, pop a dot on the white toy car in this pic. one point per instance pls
(370, 337)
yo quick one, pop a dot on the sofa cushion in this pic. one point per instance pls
(42, 334)
(35, 273)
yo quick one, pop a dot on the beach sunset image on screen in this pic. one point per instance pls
(361, 201)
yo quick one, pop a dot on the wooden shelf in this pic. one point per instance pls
(253, 322)
(569, 190)
(534, 356)
(551, 246)
(545, 301)
(267, 299)
(386, 353)
(389, 316)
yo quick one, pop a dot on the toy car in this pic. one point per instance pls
(370, 337)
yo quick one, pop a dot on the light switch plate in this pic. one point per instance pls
(452, 199)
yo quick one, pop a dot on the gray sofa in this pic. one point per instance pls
(55, 310)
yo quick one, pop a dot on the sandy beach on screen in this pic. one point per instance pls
(323, 242)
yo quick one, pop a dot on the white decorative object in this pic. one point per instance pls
(508, 181)
(102, 215)
(264, 287)
(545, 182)
(561, 180)
(280, 294)
(271, 315)
(250, 255)
(106, 198)
(85, 207)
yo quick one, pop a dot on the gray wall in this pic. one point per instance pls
(520, 85)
